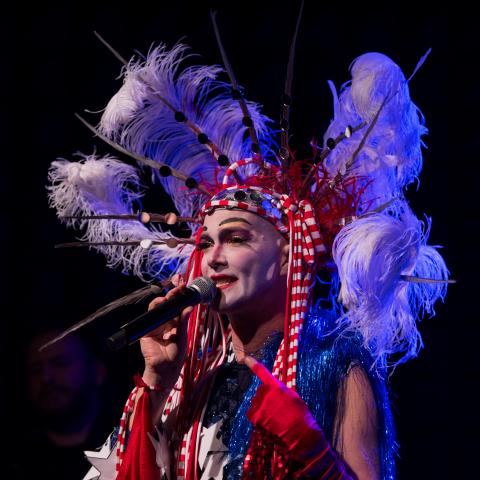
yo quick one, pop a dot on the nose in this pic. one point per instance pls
(43, 373)
(216, 258)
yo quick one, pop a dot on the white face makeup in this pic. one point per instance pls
(247, 259)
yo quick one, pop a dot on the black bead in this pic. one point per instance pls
(284, 124)
(330, 143)
(180, 117)
(190, 182)
(223, 160)
(286, 99)
(255, 147)
(240, 195)
(247, 121)
(202, 138)
(165, 171)
(236, 95)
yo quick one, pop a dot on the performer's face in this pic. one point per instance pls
(247, 258)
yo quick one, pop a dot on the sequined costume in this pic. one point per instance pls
(324, 361)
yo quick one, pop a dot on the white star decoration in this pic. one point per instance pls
(162, 453)
(213, 454)
(103, 462)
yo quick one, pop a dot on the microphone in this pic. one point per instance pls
(201, 290)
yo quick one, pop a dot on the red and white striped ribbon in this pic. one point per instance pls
(127, 411)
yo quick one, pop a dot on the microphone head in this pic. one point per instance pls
(205, 287)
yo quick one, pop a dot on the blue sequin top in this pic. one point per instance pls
(324, 360)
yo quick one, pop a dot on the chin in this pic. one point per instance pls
(234, 307)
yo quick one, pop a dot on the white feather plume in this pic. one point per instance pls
(94, 186)
(371, 254)
(143, 123)
(391, 157)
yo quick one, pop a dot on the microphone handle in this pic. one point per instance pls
(152, 319)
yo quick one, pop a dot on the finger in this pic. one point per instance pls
(158, 300)
(177, 280)
(170, 334)
(163, 330)
(261, 371)
(174, 291)
(155, 302)
(185, 314)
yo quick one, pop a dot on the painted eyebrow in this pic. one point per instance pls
(233, 219)
(206, 236)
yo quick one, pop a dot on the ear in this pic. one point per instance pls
(100, 372)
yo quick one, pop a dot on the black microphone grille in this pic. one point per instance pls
(205, 287)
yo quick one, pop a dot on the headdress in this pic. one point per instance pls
(343, 208)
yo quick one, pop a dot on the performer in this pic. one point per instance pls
(283, 375)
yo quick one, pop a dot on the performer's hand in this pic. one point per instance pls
(281, 412)
(164, 348)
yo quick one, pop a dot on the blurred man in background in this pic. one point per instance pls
(65, 412)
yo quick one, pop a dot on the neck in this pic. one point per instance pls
(248, 336)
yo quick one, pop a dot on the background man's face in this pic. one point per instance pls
(60, 376)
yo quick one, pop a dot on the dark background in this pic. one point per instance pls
(52, 66)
